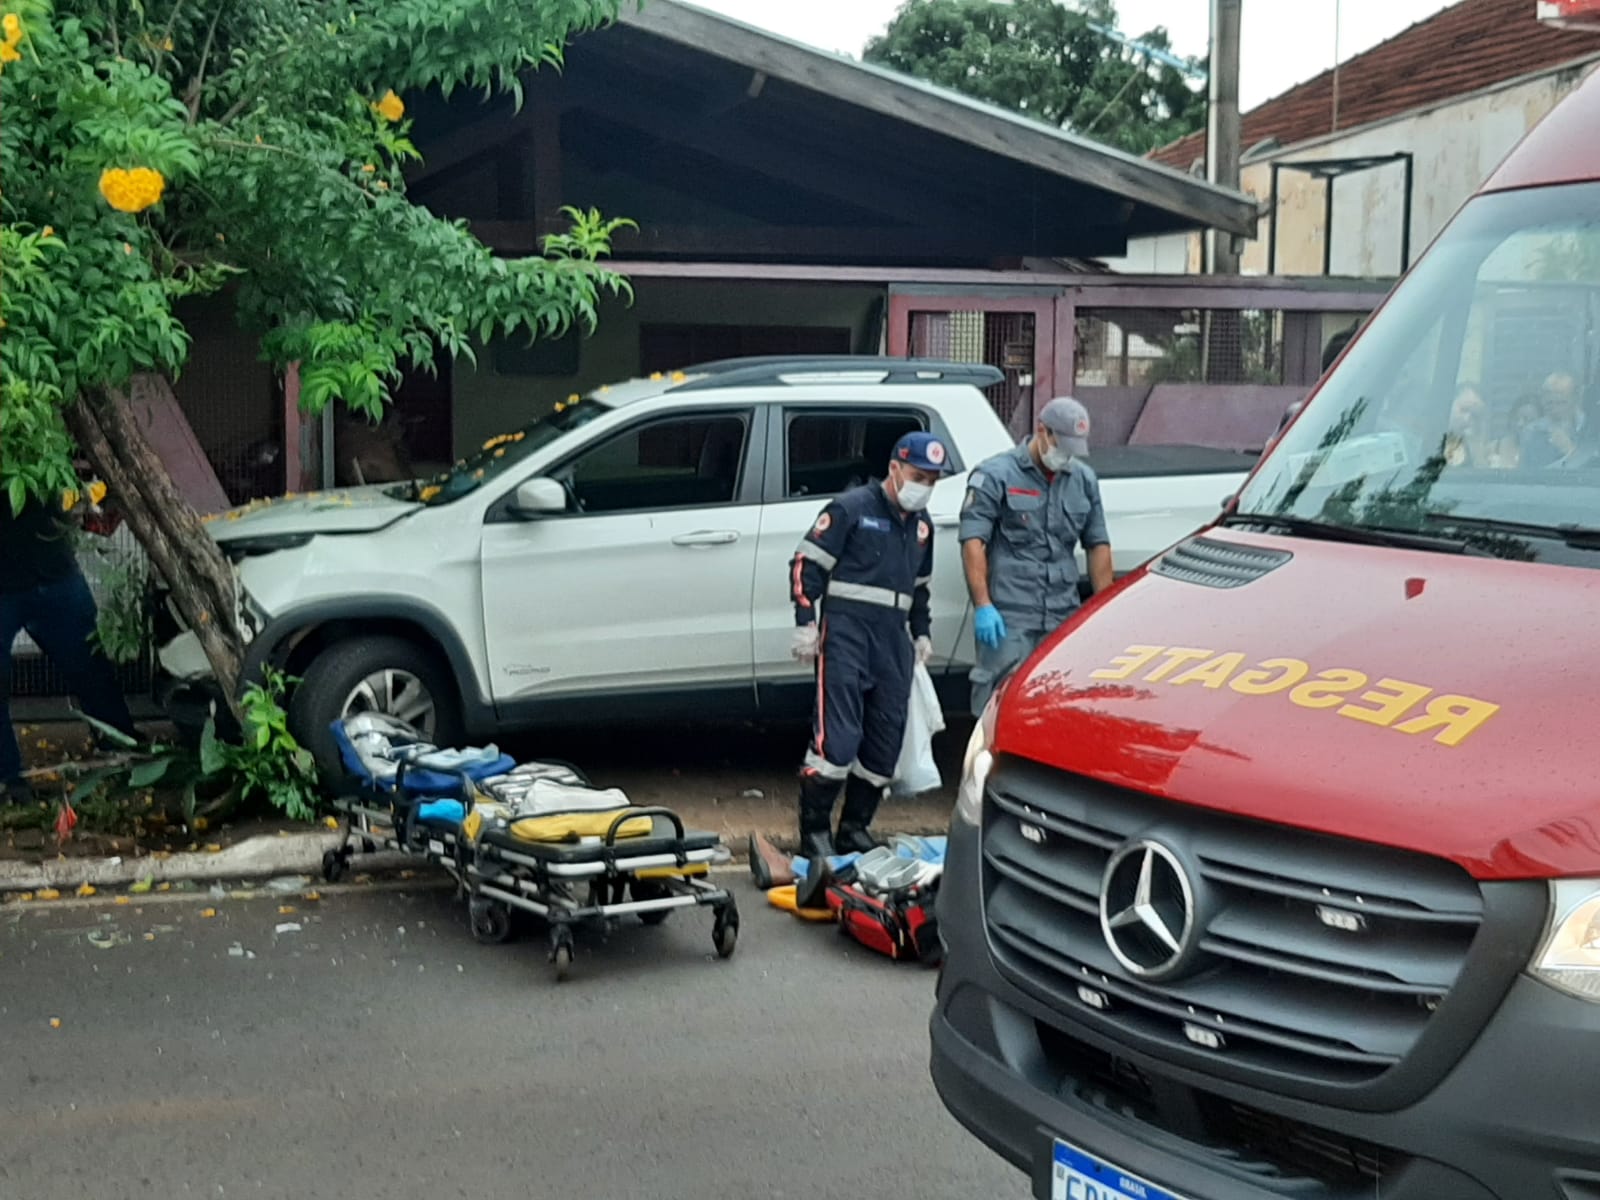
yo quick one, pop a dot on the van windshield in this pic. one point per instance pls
(1469, 411)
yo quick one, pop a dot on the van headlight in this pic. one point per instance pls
(975, 767)
(1569, 958)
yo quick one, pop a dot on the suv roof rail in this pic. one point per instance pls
(772, 369)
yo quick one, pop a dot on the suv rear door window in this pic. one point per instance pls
(830, 452)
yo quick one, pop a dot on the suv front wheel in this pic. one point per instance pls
(388, 675)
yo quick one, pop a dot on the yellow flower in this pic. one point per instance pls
(48, 231)
(69, 499)
(167, 45)
(429, 492)
(368, 168)
(131, 191)
(97, 492)
(383, 185)
(391, 107)
(500, 453)
(12, 24)
(127, 247)
(678, 377)
(655, 377)
(9, 53)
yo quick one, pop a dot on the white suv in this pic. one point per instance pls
(623, 557)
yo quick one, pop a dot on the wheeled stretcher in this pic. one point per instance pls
(535, 837)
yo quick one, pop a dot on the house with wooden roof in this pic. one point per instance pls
(1359, 168)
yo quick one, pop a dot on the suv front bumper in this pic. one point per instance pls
(1512, 1121)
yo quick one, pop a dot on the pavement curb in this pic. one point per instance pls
(253, 858)
(257, 857)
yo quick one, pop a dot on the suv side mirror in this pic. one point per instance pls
(539, 497)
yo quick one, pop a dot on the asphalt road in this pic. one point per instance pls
(379, 1052)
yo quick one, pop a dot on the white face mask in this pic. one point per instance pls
(1057, 458)
(913, 496)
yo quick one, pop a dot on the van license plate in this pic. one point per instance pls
(1079, 1176)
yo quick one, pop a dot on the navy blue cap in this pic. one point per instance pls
(923, 451)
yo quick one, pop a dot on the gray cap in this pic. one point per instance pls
(1069, 421)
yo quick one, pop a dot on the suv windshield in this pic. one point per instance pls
(499, 454)
(1469, 411)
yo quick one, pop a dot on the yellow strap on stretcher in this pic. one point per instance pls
(673, 872)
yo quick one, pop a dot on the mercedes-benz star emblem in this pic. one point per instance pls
(1147, 909)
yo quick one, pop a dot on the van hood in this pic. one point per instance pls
(1426, 701)
(353, 510)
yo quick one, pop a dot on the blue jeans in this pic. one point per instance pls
(59, 617)
(996, 662)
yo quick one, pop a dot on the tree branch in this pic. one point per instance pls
(198, 83)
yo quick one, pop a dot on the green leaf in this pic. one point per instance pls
(148, 773)
(213, 753)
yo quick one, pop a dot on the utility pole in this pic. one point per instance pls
(1222, 125)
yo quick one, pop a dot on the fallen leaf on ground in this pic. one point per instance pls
(48, 894)
(331, 822)
(142, 886)
(163, 887)
(213, 848)
(149, 937)
(122, 900)
(313, 896)
(208, 913)
(25, 897)
(285, 909)
(55, 1022)
(86, 890)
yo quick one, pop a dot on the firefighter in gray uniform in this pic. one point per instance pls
(1025, 513)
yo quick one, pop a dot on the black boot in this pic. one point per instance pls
(861, 799)
(816, 841)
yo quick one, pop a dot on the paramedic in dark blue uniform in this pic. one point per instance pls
(1025, 514)
(860, 587)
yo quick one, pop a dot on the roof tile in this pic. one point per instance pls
(1471, 45)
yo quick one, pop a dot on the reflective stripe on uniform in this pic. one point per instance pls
(816, 764)
(924, 580)
(810, 550)
(874, 779)
(867, 594)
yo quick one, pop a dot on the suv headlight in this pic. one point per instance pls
(1569, 958)
(975, 768)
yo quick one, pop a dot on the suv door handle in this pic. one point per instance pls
(707, 537)
(946, 522)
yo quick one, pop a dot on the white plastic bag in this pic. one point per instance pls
(917, 772)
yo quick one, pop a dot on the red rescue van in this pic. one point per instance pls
(1275, 873)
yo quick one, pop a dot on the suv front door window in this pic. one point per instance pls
(646, 581)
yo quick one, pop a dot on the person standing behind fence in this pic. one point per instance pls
(1026, 511)
(42, 590)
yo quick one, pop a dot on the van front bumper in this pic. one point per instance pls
(1513, 1120)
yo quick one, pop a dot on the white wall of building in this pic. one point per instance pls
(1455, 147)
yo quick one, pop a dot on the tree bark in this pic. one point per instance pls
(200, 579)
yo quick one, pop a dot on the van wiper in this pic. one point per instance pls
(1579, 537)
(1361, 535)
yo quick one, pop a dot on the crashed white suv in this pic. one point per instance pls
(622, 558)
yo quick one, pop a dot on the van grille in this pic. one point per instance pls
(1278, 991)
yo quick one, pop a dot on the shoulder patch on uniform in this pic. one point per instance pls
(976, 479)
(924, 531)
(824, 523)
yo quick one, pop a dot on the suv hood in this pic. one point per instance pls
(354, 510)
(1414, 699)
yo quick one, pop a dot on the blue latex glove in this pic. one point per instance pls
(990, 626)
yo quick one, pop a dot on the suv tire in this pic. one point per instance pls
(384, 674)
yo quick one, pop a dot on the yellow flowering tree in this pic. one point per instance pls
(152, 150)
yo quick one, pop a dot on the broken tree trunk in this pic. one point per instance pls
(168, 528)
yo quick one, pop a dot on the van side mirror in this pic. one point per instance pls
(539, 498)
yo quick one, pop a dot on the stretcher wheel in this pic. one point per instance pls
(491, 922)
(561, 951)
(725, 933)
(333, 865)
(642, 890)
